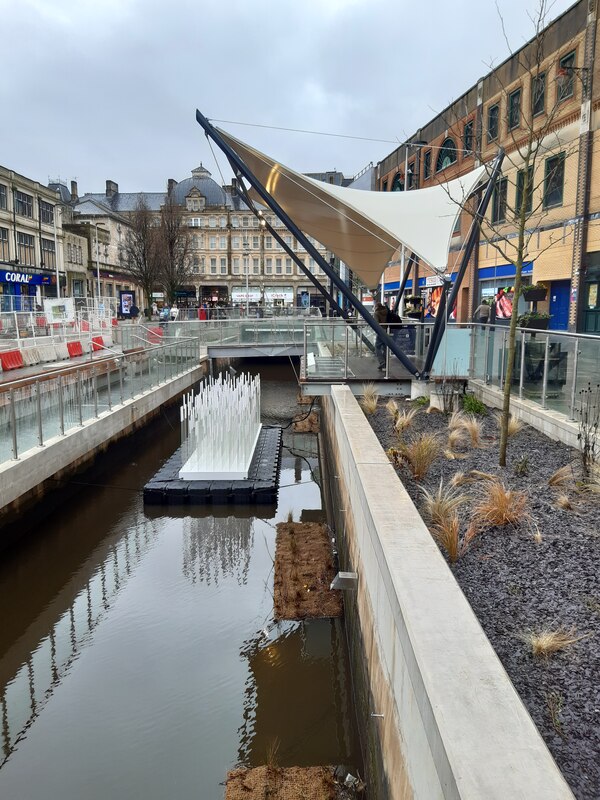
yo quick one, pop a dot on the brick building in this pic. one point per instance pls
(555, 89)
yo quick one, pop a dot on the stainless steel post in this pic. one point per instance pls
(305, 336)
(108, 376)
(61, 405)
(503, 360)
(13, 425)
(346, 354)
(545, 378)
(38, 414)
(80, 397)
(486, 358)
(574, 383)
(387, 355)
(522, 367)
(95, 390)
(473, 336)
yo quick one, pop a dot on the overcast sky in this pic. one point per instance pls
(96, 89)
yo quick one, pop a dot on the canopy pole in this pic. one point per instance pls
(270, 201)
(403, 282)
(436, 335)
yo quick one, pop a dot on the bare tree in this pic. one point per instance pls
(140, 250)
(174, 249)
(534, 168)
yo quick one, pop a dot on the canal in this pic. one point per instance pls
(138, 654)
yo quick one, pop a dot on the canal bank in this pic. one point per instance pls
(139, 657)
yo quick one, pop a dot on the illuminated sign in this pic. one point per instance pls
(26, 278)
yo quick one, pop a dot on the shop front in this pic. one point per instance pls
(214, 295)
(496, 285)
(239, 296)
(24, 291)
(279, 296)
(309, 297)
(590, 322)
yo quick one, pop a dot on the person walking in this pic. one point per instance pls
(380, 315)
(482, 313)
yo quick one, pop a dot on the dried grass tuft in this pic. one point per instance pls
(420, 454)
(561, 477)
(563, 501)
(458, 479)
(447, 534)
(514, 425)
(457, 439)
(546, 642)
(392, 408)
(404, 420)
(370, 398)
(500, 506)
(442, 503)
(478, 475)
(456, 420)
(473, 427)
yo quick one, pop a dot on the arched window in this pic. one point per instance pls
(397, 183)
(446, 155)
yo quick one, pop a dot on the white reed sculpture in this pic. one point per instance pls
(220, 427)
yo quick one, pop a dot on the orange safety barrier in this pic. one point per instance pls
(155, 335)
(75, 349)
(11, 359)
(97, 343)
(115, 322)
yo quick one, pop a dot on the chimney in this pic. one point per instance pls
(111, 188)
(171, 184)
(234, 187)
(74, 195)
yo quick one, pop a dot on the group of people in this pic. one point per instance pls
(385, 316)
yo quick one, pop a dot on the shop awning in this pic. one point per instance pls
(364, 229)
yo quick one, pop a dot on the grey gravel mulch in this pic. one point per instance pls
(515, 584)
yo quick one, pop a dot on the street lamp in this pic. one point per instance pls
(96, 225)
(245, 256)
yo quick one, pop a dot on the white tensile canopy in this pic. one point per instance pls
(364, 229)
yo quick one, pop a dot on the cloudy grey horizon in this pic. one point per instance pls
(98, 90)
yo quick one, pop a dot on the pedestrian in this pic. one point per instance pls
(134, 311)
(380, 315)
(482, 313)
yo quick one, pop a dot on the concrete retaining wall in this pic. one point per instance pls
(453, 725)
(24, 480)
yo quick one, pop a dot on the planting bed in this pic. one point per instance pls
(541, 572)
(291, 783)
(304, 569)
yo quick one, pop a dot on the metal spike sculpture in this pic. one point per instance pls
(220, 427)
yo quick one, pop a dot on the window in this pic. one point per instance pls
(212, 242)
(223, 264)
(24, 204)
(236, 266)
(514, 109)
(538, 94)
(235, 243)
(196, 264)
(385, 185)
(245, 222)
(554, 180)
(69, 251)
(268, 266)
(255, 242)
(235, 222)
(397, 183)
(278, 266)
(202, 264)
(565, 77)
(223, 243)
(256, 266)
(4, 256)
(300, 272)
(2, 196)
(427, 165)
(499, 200)
(222, 222)
(48, 253)
(456, 229)
(195, 222)
(520, 187)
(269, 242)
(246, 265)
(493, 118)
(468, 137)
(288, 266)
(311, 265)
(212, 222)
(288, 241)
(79, 255)
(213, 266)
(77, 288)
(446, 155)
(25, 252)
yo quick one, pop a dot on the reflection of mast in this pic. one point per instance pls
(51, 652)
(217, 548)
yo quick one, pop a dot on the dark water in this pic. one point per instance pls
(138, 654)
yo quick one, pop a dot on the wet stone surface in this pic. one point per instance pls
(515, 583)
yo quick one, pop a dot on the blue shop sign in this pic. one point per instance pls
(25, 278)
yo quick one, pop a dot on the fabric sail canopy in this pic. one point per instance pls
(364, 229)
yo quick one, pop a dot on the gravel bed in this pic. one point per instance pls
(517, 582)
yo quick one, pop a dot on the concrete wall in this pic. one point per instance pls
(24, 480)
(453, 726)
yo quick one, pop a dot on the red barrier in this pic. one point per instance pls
(75, 349)
(41, 322)
(11, 359)
(115, 322)
(97, 343)
(85, 325)
(155, 335)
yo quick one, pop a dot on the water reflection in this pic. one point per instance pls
(34, 666)
(217, 548)
(297, 694)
